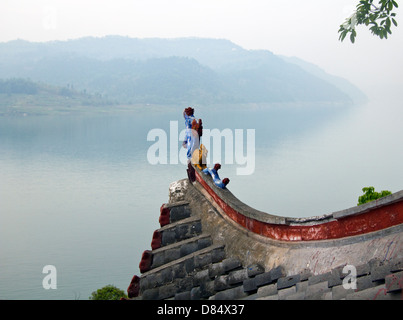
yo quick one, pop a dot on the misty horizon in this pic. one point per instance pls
(128, 70)
(307, 30)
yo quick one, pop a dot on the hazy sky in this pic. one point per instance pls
(303, 28)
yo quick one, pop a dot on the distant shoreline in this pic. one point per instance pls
(61, 110)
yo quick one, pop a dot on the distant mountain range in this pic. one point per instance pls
(172, 71)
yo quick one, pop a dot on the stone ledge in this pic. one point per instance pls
(183, 259)
(178, 244)
(176, 204)
(177, 223)
(179, 249)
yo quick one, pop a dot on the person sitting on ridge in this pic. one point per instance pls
(216, 178)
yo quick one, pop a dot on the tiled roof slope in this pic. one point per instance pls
(198, 253)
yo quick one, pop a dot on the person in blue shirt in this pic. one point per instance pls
(193, 132)
(216, 178)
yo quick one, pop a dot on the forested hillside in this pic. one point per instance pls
(165, 71)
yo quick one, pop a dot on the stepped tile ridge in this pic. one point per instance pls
(201, 252)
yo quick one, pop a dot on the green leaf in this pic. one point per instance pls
(373, 17)
(352, 37)
(388, 23)
(343, 35)
(394, 22)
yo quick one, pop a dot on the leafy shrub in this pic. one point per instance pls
(108, 292)
(370, 194)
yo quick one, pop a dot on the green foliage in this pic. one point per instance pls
(379, 18)
(370, 194)
(108, 292)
